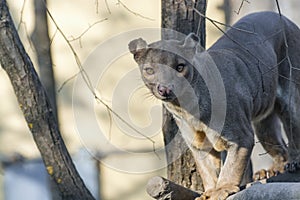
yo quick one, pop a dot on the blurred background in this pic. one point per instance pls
(114, 159)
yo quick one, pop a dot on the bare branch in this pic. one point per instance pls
(241, 5)
(110, 124)
(53, 36)
(125, 122)
(86, 30)
(131, 11)
(82, 71)
(22, 23)
(217, 22)
(37, 111)
(67, 81)
(107, 6)
(90, 86)
(21, 15)
(97, 6)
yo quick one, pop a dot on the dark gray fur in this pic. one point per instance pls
(259, 62)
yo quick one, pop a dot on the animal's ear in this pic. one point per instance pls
(137, 47)
(191, 41)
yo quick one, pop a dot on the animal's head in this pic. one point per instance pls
(166, 65)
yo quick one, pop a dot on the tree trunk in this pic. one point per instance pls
(37, 111)
(226, 7)
(41, 41)
(178, 15)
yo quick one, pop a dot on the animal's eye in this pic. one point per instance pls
(180, 67)
(149, 70)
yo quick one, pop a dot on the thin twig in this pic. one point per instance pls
(90, 86)
(97, 6)
(66, 81)
(215, 23)
(275, 66)
(21, 22)
(131, 11)
(85, 31)
(110, 124)
(53, 36)
(287, 57)
(107, 6)
(241, 5)
(128, 124)
(21, 15)
(223, 24)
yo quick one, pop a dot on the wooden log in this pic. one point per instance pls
(163, 189)
(282, 186)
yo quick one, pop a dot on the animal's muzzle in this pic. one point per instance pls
(165, 91)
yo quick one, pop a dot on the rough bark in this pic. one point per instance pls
(163, 189)
(37, 110)
(41, 41)
(179, 15)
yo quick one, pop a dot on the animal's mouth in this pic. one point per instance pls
(167, 99)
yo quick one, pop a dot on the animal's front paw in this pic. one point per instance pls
(277, 168)
(263, 174)
(220, 193)
(202, 197)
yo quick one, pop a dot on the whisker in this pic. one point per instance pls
(149, 96)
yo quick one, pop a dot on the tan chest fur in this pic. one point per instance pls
(196, 134)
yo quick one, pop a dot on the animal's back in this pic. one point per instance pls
(261, 37)
(255, 28)
(268, 44)
(258, 41)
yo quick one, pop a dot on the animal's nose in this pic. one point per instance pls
(164, 90)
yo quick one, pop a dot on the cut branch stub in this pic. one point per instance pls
(163, 189)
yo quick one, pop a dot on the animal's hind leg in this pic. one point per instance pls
(268, 131)
(288, 108)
